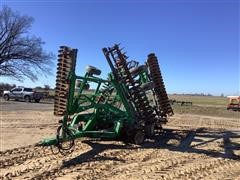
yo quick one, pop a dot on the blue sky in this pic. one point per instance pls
(196, 42)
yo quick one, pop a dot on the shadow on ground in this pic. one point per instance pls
(195, 139)
(190, 141)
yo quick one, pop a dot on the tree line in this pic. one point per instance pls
(7, 86)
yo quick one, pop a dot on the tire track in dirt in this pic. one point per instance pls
(125, 155)
(41, 163)
(152, 157)
(101, 161)
(170, 157)
(35, 164)
(200, 168)
(100, 168)
(145, 169)
(225, 170)
(53, 125)
(30, 160)
(153, 162)
(18, 156)
(205, 166)
(160, 160)
(228, 171)
(94, 162)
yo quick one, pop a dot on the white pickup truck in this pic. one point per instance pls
(26, 94)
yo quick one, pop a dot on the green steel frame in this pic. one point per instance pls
(88, 116)
(101, 113)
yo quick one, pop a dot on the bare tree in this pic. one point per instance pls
(21, 54)
(38, 87)
(6, 86)
(46, 87)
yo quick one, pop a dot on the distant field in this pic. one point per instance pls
(204, 105)
(197, 100)
(202, 100)
(206, 110)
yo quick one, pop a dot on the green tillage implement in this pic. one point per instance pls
(118, 108)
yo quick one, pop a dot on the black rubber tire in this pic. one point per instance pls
(139, 137)
(37, 100)
(6, 97)
(147, 86)
(149, 130)
(135, 71)
(93, 70)
(27, 99)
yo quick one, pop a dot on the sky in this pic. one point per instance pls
(196, 41)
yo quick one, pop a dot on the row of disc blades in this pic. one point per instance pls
(66, 63)
(160, 90)
(138, 97)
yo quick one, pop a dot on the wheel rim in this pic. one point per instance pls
(6, 97)
(139, 137)
(27, 99)
(150, 130)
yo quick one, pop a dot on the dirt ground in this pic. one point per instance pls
(191, 147)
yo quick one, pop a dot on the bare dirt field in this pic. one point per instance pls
(192, 147)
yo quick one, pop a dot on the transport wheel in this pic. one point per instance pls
(37, 100)
(138, 137)
(27, 99)
(147, 86)
(6, 97)
(136, 70)
(149, 130)
(93, 70)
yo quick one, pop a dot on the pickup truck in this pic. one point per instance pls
(26, 94)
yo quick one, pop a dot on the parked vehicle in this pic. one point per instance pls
(234, 103)
(21, 93)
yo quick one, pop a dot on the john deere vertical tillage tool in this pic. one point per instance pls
(131, 104)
